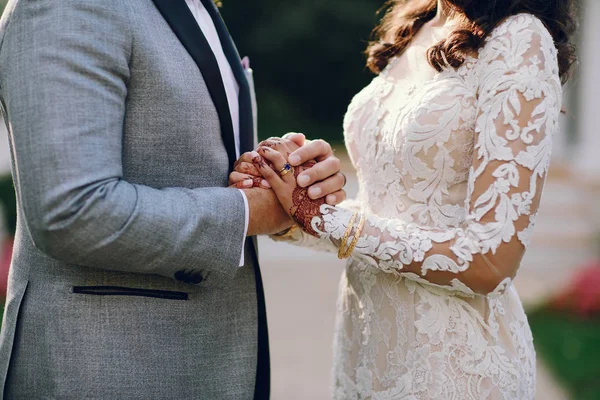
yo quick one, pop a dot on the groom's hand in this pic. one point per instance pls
(325, 178)
(267, 216)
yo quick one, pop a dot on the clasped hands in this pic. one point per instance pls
(277, 200)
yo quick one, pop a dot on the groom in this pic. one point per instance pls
(132, 277)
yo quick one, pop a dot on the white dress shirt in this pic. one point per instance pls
(232, 88)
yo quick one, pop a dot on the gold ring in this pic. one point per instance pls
(287, 168)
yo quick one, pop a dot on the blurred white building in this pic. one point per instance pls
(587, 152)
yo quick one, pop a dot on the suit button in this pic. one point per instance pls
(193, 277)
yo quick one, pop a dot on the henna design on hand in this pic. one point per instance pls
(259, 161)
(256, 181)
(267, 162)
(268, 143)
(245, 168)
(303, 208)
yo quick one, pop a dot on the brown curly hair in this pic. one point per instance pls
(478, 18)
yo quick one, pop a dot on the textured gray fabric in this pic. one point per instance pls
(121, 173)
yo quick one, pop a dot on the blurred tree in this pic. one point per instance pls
(307, 59)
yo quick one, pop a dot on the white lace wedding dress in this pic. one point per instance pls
(451, 167)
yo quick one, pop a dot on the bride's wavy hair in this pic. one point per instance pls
(478, 18)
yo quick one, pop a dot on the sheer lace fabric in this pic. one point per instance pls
(451, 167)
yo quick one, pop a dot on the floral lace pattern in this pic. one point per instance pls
(451, 169)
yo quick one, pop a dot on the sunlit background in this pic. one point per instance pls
(308, 63)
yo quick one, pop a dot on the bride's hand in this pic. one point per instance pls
(294, 198)
(323, 181)
(245, 175)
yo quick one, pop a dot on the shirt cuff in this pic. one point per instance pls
(242, 261)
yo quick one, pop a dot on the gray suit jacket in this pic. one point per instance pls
(125, 281)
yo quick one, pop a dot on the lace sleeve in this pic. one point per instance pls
(518, 109)
(300, 238)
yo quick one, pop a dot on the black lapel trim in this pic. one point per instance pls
(245, 101)
(227, 42)
(184, 25)
(262, 384)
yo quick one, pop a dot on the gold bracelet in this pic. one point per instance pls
(359, 230)
(346, 236)
(341, 251)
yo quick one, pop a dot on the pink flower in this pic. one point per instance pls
(583, 295)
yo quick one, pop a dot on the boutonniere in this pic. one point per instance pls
(218, 3)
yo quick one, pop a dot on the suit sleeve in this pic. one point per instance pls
(64, 76)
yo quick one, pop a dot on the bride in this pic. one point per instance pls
(451, 144)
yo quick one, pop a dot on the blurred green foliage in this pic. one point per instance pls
(569, 345)
(307, 58)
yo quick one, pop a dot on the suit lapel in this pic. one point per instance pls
(245, 100)
(185, 27)
(262, 381)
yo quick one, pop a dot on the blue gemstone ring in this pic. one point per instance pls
(287, 168)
